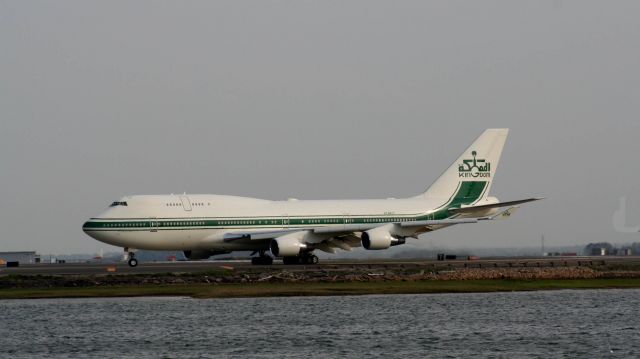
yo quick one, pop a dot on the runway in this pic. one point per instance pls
(94, 268)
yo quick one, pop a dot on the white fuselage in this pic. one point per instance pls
(187, 222)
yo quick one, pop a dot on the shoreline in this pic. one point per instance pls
(284, 282)
(239, 290)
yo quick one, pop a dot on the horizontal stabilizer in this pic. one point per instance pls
(493, 205)
(439, 222)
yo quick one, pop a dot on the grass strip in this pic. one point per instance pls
(318, 288)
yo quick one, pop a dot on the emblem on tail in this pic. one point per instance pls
(474, 167)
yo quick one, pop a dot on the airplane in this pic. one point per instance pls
(205, 225)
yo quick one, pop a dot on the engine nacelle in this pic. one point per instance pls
(380, 238)
(197, 254)
(287, 246)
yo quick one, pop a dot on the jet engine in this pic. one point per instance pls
(196, 254)
(287, 246)
(380, 238)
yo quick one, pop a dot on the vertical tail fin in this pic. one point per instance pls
(473, 171)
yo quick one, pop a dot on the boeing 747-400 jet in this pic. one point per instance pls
(206, 225)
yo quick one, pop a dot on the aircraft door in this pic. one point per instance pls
(186, 204)
(153, 224)
(346, 219)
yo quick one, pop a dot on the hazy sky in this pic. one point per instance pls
(317, 100)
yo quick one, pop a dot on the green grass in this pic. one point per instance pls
(318, 289)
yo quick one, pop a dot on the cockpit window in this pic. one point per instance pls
(114, 204)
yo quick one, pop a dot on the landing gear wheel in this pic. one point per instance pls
(262, 259)
(133, 262)
(305, 258)
(309, 259)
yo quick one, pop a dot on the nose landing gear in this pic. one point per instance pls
(131, 255)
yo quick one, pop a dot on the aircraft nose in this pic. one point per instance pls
(86, 226)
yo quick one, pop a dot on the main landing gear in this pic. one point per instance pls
(263, 259)
(305, 258)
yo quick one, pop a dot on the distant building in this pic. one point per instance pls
(607, 249)
(599, 249)
(625, 252)
(22, 257)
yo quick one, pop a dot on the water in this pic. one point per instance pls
(569, 324)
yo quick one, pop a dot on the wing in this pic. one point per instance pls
(337, 230)
(347, 236)
(258, 235)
